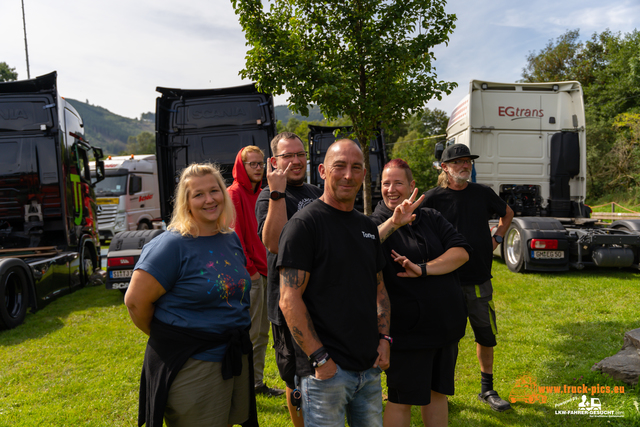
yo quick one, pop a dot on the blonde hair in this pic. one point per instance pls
(250, 149)
(181, 219)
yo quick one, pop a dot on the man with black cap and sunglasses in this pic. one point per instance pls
(469, 206)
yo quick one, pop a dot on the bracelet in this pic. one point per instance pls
(423, 267)
(321, 361)
(386, 338)
(316, 355)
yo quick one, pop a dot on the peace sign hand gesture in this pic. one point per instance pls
(403, 213)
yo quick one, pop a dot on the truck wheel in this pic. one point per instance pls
(143, 226)
(514, 249)
(14, 298)
(87, 265)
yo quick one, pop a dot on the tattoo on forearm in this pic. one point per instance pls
(389, 233)
(384, 308)
(298, 336)
(311, 328)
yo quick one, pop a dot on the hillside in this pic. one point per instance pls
(284, 114)
(108, 130)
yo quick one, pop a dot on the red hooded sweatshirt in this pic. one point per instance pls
(244, 198)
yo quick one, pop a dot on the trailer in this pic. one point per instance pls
(194, 125)
(532, 148)
(49, 242)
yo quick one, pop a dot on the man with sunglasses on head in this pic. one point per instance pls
(286, 194)
(469, 206)
(247, 184)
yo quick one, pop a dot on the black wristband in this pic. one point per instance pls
(316, 354)
(423, 267)
(321, 360)
(386, 338)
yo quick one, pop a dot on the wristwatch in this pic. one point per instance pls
(497, 238)
(277, 195)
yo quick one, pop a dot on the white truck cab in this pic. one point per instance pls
(531, 141)
(128, 198)
(532, 148)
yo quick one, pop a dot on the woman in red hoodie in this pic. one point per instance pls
(247, 179)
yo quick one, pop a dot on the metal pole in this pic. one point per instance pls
(26, 50)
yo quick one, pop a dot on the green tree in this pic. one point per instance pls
(7, 73)
(425, 128)
(370, 60)
(608, 67)
(144, 143)
(565, 59)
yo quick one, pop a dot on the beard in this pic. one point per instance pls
(459, 177)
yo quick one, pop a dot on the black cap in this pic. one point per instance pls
(456, 151)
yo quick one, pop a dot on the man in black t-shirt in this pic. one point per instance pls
(333, 298)
(286, 194)
(469, 206)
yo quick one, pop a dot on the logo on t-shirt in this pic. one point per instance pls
(368, 235)
(304, 202)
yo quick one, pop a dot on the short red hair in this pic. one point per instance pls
(400, 164)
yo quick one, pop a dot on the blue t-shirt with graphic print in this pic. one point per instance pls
(206, 281)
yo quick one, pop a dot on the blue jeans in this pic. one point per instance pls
(358, 395)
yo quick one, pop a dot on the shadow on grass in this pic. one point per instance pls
(52, 316)
(484, 416)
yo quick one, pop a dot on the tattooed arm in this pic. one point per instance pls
(293, 283)
(384, 311)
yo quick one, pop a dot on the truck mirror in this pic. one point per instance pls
(438, 151)
(99, 176)
(97, 153)
(135, 184)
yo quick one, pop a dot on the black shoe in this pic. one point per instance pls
(492, 399)
(270, 392)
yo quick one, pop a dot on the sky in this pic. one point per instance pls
(115, 53)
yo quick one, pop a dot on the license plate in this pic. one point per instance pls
(547, 254)
(105, 201)
(119, 274)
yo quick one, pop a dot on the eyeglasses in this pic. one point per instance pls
(255, 165)
(289, 156)
(461, 162)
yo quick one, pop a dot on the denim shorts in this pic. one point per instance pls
(356, 395)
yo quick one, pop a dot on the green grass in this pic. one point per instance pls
(77, 361)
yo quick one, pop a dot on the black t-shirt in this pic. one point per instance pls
(426, 312)
(297, 198)
(469, 211)
(342, 252)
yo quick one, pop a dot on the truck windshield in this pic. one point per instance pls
(112, 185)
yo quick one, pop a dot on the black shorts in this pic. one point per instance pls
(482, 312)
(413, 374)
(285, 354)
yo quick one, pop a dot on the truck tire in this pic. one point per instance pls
(143, 225)
(514, 249)
(88, 264)
(14, 298)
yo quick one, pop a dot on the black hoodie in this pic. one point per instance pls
(426, 312)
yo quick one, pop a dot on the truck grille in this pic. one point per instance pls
(107, 215)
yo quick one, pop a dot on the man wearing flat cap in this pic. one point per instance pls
(469, 206)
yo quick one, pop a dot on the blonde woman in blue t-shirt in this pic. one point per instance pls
(190, 293)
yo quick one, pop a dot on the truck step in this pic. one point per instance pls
(28, 252)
